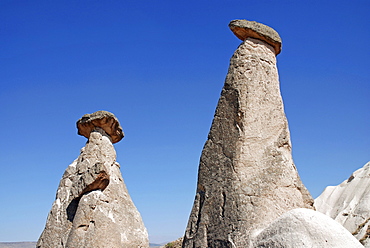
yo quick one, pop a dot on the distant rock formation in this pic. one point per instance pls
(17, 244)
(349, 204)
(174, 244)
(246, 176)
(93, 208)
(305, 228)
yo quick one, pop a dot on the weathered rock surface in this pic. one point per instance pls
(305, 228)
(246, 176)
(103, 119)
(244, 29)
(174, 244)
(349, 204)
(93, 207)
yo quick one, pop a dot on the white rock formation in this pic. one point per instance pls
(305, 228)
(349, 204)
(93, 208)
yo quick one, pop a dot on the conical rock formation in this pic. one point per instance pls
(93, 208)
(246, 176)
(349, 204)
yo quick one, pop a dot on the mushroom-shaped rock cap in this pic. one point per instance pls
(103, 119)
(244, 29)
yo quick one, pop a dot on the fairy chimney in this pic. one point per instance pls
(93, 207)
(246, 176)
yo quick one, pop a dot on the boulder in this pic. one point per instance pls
(305, 228)
(246, 176)
(93, 207)
(244, 29)
(349, 204)
(103, 119)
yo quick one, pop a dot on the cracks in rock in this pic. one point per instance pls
(223, 204)
(72, 208)
(202, 196)
(239, 121)
(361, 226)
(267, 61)
(83, 227)
(195, 217)
(229, 239)
(366, 235)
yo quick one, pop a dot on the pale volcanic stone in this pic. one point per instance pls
(103, 119)
(246, 176)
(244, 29)
(305, 228)
(93, 208)
(349, 204)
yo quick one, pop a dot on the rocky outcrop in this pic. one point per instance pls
(93, 207)
(246, 176)
(305, 228)
(174, 244)
(349, 204)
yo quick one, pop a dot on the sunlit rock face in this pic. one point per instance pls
(349, 204)
(246, 176)
(93, 207)
(305, 228)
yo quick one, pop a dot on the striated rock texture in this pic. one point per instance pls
(349, 204)
(246, 176)
(305, 228)
(93, 207)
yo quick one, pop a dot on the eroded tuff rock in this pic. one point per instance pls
(349, 204)
(93, 208)
(246, 176)
(305, 228)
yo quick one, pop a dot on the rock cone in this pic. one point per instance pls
(246, 176)
(93, 208)
(349, 204)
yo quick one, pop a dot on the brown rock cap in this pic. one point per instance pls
(244, 29)
(103, 119)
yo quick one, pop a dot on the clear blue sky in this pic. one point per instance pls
(159, 66)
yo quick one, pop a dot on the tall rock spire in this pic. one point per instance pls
(246, 176)
(93, 208)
